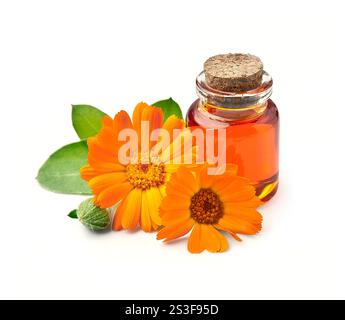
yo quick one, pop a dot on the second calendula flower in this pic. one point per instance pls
(208, 205)
(139, 186)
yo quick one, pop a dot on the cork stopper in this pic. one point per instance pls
(234, 72)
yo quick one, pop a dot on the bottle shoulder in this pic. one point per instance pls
(198, 115)
(271, 114)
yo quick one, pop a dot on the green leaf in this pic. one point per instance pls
(169, 107)
(61, 172)
(87, 120)
(73, 214)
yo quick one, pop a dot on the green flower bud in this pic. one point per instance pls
(93, 217)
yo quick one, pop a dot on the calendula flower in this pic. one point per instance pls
(138, 185)
(208, 206)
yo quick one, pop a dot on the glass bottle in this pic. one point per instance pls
(251, 120)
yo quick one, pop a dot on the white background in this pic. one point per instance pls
(113, 54)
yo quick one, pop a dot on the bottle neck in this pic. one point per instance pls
(228, 106)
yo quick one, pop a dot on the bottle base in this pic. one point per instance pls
(266, 189)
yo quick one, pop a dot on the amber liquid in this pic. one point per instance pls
(252, 141)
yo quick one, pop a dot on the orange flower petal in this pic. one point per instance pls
(238, 225)
(128, 213)
(227, 183)
(183, 173)
(173, 191)
(87, 172)
(181, 147)
(169, 216)
(189, 188)
(101, 154)
(172, 168)
(205, 180)
(175, 203)
(223, 181)
(206, 237)
(255, 202)
(250, 214)
(176, 230)
(194, 242)
(171, 124)
(178, 182)
(122, 121)
(137, 115)
(153, 200)
(102, 182)
(108, 122)
(234, 235)
(112, 195)
(243, 194)
(222, 241)
(145, 220)
(107, 139)
(230, 170)
(105, 167)
(163, 191)
(154, 116)
(212, 240)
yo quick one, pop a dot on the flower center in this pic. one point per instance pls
(206, 207)
(146, 176)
